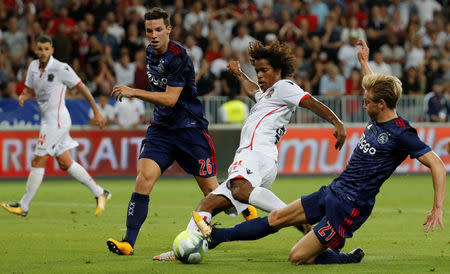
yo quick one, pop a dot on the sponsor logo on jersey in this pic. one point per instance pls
(365, 146)
(162, 82)
(249, 171)
(160, 67)
(383, 138)
(50, 77)
(269, 92)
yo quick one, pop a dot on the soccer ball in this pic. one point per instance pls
(190, 247)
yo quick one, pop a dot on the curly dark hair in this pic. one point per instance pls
(278, 54)
(158, 13)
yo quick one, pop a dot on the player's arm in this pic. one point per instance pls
(26, 95)
(438, 174)
(363, 57)
(168, 98)
(250, 87)
(324, 112)
(98, 117)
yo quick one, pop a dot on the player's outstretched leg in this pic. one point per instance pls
(15, 208)
(119, 247)
(333, 257)
(101, 201)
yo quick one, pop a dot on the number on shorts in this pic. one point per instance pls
(323, 229)
(206, 167)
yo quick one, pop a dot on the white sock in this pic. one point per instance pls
(264, 199)
(193, 226)
(34, 181)
(78, 172)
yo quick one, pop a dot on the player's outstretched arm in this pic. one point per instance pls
(363, 57)
(250, 87)
(324, 112)
(26, 95)
(168, 98)
(98, 117)
(438, 174)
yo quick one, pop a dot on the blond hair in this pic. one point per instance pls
(386, 87)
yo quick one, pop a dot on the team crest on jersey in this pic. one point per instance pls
(50, 77)
(160, 68)
(383, 138)
(269, 92)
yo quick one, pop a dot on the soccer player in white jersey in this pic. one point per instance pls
(48, 79)
(255, 164)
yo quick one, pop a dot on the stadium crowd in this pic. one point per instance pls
(104, 41)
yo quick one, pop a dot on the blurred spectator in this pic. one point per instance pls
(233, 111)
(107, 39)
(46, 14)
(213, 51)
(353, 85)
(220, 64)
(6, 72)
(289, 33)
(320, 9)
(205, 80)
(194, 51)
(133, 42)
(332, 83)
(305, 17)
(415, 56)
(303, 63)
(376, 28)
(354, 9)
(331, 36)
(318, 70)
(197, 15)
(433, 72)
(202, 42)
(178, 8)
(140, 74)
(124, 69)
(115, 26)
(104, 79)
(378, 65)
(229, 84)
(403, 8)
(105, 109)
(265, 24)
(348, 56)
(129, 113)
(242, 40)
(411, 82)
(436, 106)
(16, 44)
(62, 19)
(62, 44)
(426, 9)
(394, 55)
(352, 29)
(222, 22)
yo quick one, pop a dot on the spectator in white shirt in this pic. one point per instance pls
(105, 109)
(332, 83)
(394, 55)
(194, 51)
(130, 113)
(197, 15)
(124, 70)
(114, 28)
(348, 56)
(378, 65)
(241, 42)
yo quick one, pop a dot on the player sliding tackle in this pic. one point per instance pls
(255, 165)
(342, 207)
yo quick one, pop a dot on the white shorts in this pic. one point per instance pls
(54, 141)
(253, 166)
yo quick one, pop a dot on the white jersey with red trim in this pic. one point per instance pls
(266, 123)
(50, 88)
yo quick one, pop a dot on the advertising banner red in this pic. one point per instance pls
(115, 152)
(101, 152)
(311, 150)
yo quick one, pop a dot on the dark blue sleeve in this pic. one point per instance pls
(176, 68)
(410, 142)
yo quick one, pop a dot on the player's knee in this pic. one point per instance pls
(64, 165)
(297, 258)
(240, 190)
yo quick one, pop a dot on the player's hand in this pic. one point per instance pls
(363, 51)
(21, 100)
(99, 120)
(434, 218)
(340, 134)
(234, 67)
(122, 91)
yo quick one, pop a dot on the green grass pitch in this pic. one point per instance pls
(62, 235)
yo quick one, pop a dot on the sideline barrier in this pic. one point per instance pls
(114, 152)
